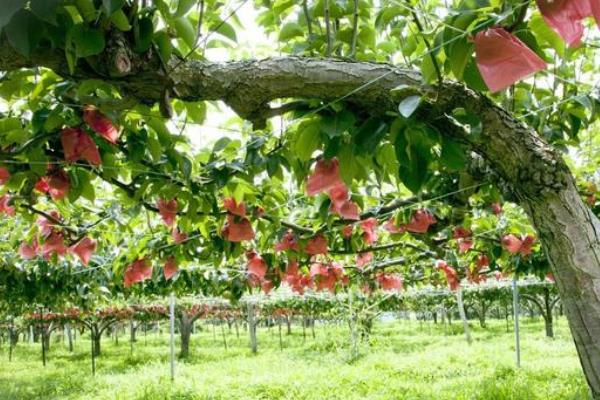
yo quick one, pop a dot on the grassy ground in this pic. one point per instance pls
(404, 361)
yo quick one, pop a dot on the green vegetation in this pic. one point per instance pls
(406, 360)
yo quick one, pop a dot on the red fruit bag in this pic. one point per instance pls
(503, 59)
(565, 16)
(595, 5)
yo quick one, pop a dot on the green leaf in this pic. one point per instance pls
(348, 164)
(163, 41)
(143, 34)
(196, 112)
(308, 140)
(459, 54)
(186, 166)
(183, 6)
(428, 69)
(88, 41)
(185, 30)
(119, 19)
(367, 37)
(154, 147)
(86, 9)
(75, 188)
(290, 30)
(370, 133)
(335, 9)
(408, 106)
(415, 173)
(45, 9)
(388, 14)
(274, 167)
(24, 32)
(546, 35)
(87, 189)
(386, 158)
(413, 150)
(11, 131)
(225, 29)
(221, 144)
(161, 130)
(452, 156)
(110, 6)
(335, 125)
(457, 47)
(37, 160)
(472, 77)
(9, 8)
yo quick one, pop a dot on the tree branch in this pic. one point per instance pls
(246, 86)
(385, 247)
(354, 30)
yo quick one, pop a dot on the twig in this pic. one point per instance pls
(428, 45)
(354, 30)
(148, 222)
(200, 17)
(49, 218)
(308, 20)
(520, 17)
(384, 247)
(219, 25)
(328, 28)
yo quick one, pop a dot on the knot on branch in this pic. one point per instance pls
(119, 55)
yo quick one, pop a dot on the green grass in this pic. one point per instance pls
(404, 361)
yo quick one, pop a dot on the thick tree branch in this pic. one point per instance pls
(248, 87)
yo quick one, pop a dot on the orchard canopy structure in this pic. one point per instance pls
(382, 143)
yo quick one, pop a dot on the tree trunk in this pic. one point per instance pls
(46, 341)
(69, 336)
(96, 338)
(570, 237)
(13, 336)
(280, 338)
(463, 316)
(482, 314)
(252, 328)
(185, 330)
(549, 327)
(548, 317)
(223, 335)
(303, 329)
(481, 317)
(132, 330)
(569, 232)
(288, 322)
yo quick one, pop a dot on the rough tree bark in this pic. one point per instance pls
(132, 330)
(537, 175)
(96, 331)
(288, 323)
(96, 346)
(69, 336)
(185, 330)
